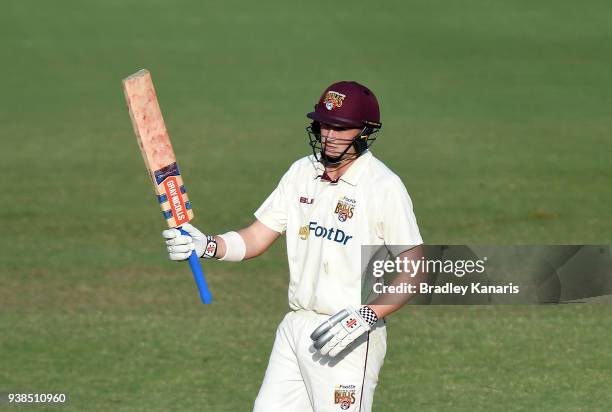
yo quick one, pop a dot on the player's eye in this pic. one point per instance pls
(325, 126)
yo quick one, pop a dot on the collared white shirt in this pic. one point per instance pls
(326, 224)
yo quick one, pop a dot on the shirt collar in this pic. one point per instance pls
(351, 176)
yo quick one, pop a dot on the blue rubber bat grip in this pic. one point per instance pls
(198, 275)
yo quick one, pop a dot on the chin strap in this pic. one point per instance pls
(337, 160)
(359, 142)
(334, 161)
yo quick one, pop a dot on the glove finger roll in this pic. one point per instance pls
(170, 233)
(179, 240)
(179, 256)
(323, 339)
(332, 344)
(328, 324)
(181, 248)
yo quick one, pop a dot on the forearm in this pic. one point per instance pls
(385, 305)
(382, 305)
(221, 248)
(256, 239)
(383, 310)
(253, 249)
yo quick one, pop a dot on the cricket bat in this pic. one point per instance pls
(160, 161)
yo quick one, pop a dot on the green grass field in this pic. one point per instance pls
(496, 116)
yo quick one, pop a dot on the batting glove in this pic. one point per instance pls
(180, 246)
(341, 329)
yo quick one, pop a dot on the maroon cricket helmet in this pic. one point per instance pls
(347, 104)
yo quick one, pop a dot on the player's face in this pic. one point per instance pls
(336, 139)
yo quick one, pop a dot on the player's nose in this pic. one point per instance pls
(330, 136)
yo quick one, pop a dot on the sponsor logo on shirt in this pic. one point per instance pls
(333, 234)
(304, 232)
(344, 396)
(345, 208)
(306, 200)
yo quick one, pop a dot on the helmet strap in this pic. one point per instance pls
(336, 160)
(360, 142)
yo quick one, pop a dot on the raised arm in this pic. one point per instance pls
(257, 239)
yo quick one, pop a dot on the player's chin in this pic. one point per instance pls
(333, 153)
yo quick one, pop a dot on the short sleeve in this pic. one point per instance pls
(273, 211)
(398, 224)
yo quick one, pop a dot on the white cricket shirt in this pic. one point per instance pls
(326, 223)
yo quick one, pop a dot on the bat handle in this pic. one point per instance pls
(198, 275)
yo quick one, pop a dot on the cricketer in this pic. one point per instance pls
(330, 347)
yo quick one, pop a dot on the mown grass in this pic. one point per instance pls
(496, 116)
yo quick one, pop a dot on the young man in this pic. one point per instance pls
(329, 349)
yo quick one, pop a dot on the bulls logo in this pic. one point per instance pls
(345, 209)
(344, 396)
(333, 100)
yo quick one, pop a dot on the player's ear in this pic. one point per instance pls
(361, 143)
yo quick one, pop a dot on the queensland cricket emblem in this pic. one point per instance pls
(344, 396)
(333, 100)
(345, 208)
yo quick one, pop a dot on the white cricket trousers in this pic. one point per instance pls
(299, 379)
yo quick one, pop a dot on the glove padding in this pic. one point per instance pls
(339, 331)
(180, 246)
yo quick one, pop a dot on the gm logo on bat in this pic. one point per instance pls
(176, 200)
(333, 234)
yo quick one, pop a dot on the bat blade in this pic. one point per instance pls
(156, 148)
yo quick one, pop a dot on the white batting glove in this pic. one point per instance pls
(180, 246)
(341, 329)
